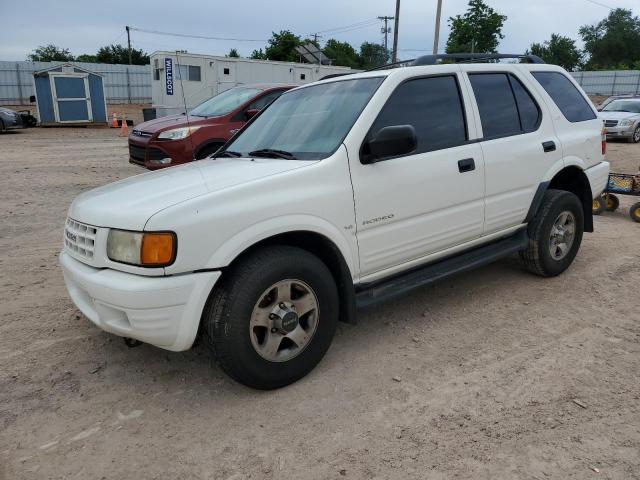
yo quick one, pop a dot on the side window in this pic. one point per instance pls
(433, 106)
(527, 106)
(496, 104)
(566, 96)
(265, 100)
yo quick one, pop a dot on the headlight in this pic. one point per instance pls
(626, 123)
(145, 249)
(177, 133)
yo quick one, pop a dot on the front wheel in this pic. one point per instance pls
(635, 136)
(273, 318)
(555, 234)
(634, 212)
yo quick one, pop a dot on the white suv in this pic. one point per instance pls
(341, 193)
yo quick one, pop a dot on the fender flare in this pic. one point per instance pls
(207, 143)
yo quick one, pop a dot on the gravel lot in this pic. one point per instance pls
(502, 374)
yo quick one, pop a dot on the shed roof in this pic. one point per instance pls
(67, 64)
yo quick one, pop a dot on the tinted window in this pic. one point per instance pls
(433, 106)
(224, 102)
(496, 103)
(566, 96)
(527, 107)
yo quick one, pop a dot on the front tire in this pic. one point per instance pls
(555, 234)
(635, 136)
(273, 318)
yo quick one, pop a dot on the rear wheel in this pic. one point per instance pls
(634, 212)
(598, 205)
(273, 318)
(555, 234)
(611, 202)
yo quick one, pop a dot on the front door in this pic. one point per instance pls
(411, 206)
(71, 100)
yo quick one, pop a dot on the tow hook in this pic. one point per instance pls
(132, 342)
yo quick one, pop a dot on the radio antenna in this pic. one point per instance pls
(184, 102)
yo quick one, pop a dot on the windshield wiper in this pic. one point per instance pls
(272, 153)
(229, 153)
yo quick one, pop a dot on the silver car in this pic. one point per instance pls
(622, 119)
(9, 119)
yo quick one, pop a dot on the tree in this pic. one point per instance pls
(341, 53)
(558, 50)
(50, 53)
(258, 55)
(613, 42)
(87, 58)
(120, 54)
(478, 30)
(282, 46)
(373, 55)
(233, 53)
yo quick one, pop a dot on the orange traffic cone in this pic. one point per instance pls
(114, 122)
(124, 130)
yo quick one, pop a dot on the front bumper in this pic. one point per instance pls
(619, 132)
(598, 176)
(162, 311)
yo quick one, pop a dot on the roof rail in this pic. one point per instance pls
(473, 57)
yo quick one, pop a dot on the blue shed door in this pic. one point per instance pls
(71, 100)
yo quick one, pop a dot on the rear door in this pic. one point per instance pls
(411, 206)
(71, 99)
(518, 140)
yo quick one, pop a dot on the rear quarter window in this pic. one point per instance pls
(566, 96)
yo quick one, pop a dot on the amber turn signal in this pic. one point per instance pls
(158, 249)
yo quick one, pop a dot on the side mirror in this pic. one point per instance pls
(391, 141)
(252, 112)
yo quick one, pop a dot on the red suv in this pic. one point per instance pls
(177, 139)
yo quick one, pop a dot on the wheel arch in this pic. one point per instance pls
(326, 250)
(571, 179)
(208, 143)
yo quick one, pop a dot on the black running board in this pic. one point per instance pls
(374, 292)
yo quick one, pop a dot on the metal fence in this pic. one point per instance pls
(122, 83)
(609, 82)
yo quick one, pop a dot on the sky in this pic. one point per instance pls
(83, 26)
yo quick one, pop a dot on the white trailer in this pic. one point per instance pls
(203, 76)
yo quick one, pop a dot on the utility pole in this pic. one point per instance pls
(128, 42)
(316, 36)
(394, 54)
(385, 30)
(436, 35)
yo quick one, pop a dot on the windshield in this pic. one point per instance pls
(225, 102)
(309, 123)
(632, 106)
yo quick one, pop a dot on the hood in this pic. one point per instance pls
(129, 203)
(171, 121)
(618, 115)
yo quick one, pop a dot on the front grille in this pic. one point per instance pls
(79, 238)
(136, 153)
(610, 123)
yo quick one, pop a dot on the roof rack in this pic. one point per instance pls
(473, 57)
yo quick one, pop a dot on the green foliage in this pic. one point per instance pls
(281, 46)
(342, 53)
(613, 42)
(478, 30)
(233, 53)
(87, 58)
(372, 55)
(558, 50)
(120, 54)
(258, 55)
(50, 53)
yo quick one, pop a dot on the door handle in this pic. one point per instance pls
(466, 165)
(549, 146)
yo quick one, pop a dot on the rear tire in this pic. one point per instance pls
(611, 202)
(634, 212)
(598, 205)
(248, 317)
(555, 234)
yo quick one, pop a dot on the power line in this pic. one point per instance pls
(363, 23)
(601, 4)
(203, 37)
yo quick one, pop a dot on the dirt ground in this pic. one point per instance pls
(502, 375)
(132, 111)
